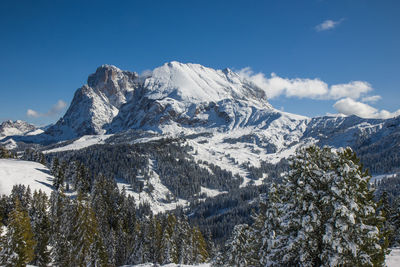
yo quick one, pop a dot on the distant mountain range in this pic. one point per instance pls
(224, 117)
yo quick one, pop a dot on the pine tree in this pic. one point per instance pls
(86, 243)
(183, 242)
(41, 228)
(386, 210)
(42, 159)
(325, 213)
(4, 153)
(54, 166)
(168, 244)
(82, 183)
(59, 174)
(61, 223)
(200, 253)
(236, 251)
(19, 241)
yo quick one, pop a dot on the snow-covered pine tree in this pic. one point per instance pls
(183, 242)
(199, 246)
(87, 244)
(18, 243)
(169, 251)
(41, 228)
(55, 164)
(326, 213)
(158, 231)
(61, 228)
(82, 182)
(59, 176)
(386, 211)
(236, 252)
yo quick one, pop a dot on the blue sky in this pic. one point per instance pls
(48, 48)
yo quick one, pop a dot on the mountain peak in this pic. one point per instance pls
(196, 83)
(184, 93)
(111, 80)
(17, 127)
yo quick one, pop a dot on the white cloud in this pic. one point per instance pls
(32, 113)
(59, 106)
(371, 99)
(352, 89)
(348, 95)
(305, 88)
(349, 106)
(327, 25)
(54, 110)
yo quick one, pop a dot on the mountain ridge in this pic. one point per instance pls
(179, 99)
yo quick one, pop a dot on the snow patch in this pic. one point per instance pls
(83, 142)
(393, 259)
(211, 192)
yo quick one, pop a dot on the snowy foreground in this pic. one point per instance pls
(169, 265)
(392, 260)
(14, 171)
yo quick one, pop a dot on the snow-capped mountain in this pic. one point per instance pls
(17, 127)
(187, 94)
(226, 116)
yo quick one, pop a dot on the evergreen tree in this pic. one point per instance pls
(4, 153)
(236, 252)
(41, 228)
(385, 209)
(168, 241)
(82, 180)
(59, 174)
(200, 253)
(326, 213)
(18, 248)
(61, 220)
(55, 164)
(87, 244)
(183, 242)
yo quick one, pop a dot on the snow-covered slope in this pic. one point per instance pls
(194, 83)
(28, 173)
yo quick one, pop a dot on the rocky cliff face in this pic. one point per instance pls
(96, 104)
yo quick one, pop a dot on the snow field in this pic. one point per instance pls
(169, 265)
(28, 173)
